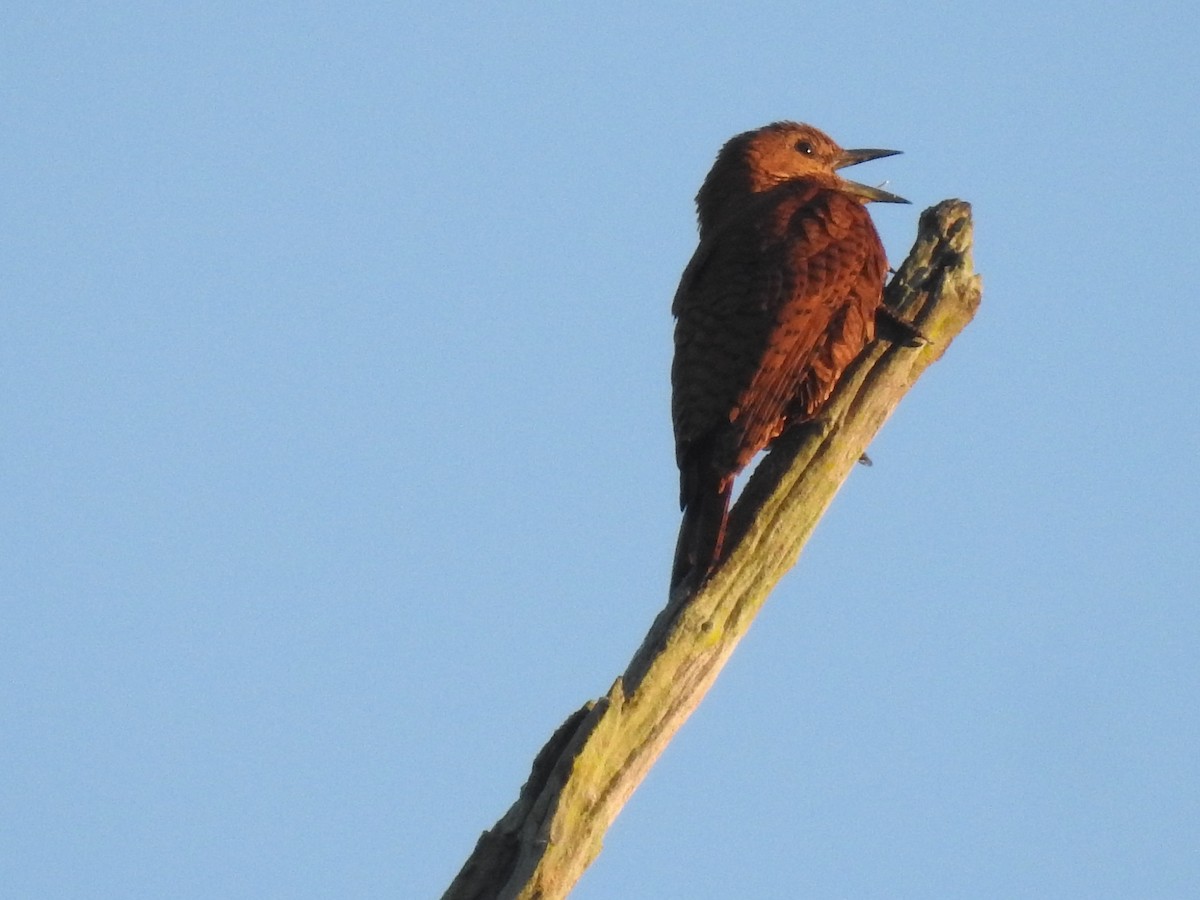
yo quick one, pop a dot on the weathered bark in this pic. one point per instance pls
(596, 759)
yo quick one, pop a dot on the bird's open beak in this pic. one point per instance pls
(853, 158)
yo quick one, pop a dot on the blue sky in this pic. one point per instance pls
(337, 465)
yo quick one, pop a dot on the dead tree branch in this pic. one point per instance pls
(596, 759)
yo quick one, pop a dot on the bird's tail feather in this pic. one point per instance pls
(702, 532)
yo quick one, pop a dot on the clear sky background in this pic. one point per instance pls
(337, 466)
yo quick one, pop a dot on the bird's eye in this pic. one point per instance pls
(805, 148)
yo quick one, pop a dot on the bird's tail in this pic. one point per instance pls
(705, 496)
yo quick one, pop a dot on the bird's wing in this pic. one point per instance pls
(824, 313)
(722, 322)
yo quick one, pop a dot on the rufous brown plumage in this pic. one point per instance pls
(780, 296)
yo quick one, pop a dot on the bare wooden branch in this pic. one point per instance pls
(596, 759)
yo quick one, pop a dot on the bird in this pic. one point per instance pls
(779, 297)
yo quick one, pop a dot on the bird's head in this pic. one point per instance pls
(762, 159)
